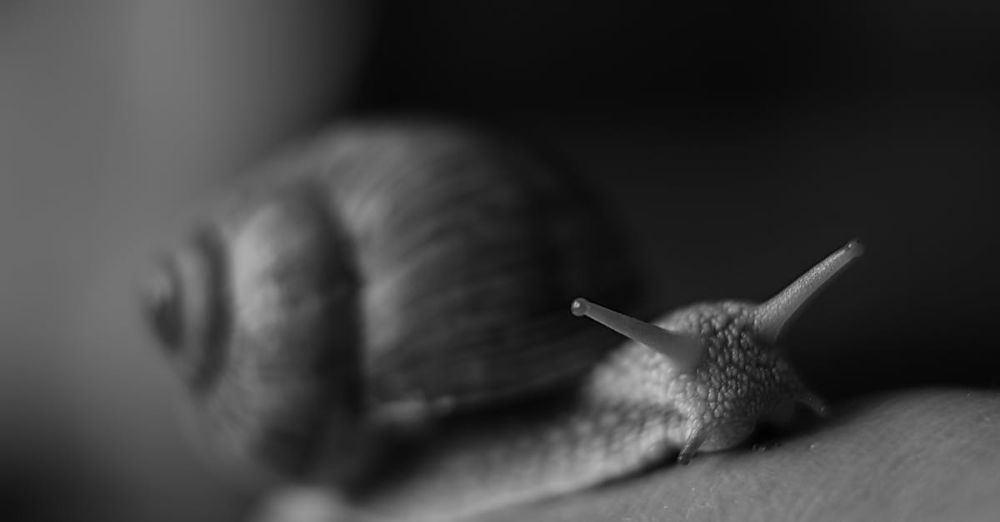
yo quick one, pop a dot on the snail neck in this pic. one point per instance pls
(483, 461)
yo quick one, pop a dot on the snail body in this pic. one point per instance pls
(397, 271)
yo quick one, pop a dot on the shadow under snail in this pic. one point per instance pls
(384, 314)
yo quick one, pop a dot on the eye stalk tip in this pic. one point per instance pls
(580, 307)
(854, 247)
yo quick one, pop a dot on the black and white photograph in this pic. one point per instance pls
(470, 260)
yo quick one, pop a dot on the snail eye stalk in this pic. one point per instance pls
(773, 316)
(684, 351)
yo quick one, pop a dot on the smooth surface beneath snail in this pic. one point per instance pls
(317, 320)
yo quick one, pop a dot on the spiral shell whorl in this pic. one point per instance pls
(394, 263)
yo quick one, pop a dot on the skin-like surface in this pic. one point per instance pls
(931, 454)
(917, 455)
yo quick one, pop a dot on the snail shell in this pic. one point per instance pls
(386, 264)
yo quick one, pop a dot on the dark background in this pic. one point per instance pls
(738, 144)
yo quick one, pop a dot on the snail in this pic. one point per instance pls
(384, 315)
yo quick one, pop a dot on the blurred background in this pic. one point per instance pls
(737, 144)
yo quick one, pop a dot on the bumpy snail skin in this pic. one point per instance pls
(481, 462)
